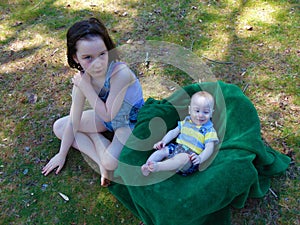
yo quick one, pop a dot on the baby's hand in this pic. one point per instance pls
(159, 145)
(195, 159)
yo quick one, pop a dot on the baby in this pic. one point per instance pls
(196, 138)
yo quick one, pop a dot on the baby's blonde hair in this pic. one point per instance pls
(207, 96)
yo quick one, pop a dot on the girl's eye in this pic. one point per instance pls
(88, 57)
(102, 53)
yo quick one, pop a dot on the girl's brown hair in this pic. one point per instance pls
(85, 30)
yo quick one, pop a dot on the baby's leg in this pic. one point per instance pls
(145, 170)
(172, 164)
(156, 156)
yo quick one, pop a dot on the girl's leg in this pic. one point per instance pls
(109, 156)
(175, 163)
(86, 146)
(89, 125)
(100, 150)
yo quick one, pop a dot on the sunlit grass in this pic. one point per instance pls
(5, 31)
(33, 61)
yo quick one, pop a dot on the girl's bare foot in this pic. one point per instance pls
(105, 182)
(145, 170)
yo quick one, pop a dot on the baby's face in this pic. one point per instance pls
(200, 110)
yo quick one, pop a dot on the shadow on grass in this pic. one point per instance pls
(27, 141)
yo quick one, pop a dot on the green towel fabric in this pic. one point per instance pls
(242, 167)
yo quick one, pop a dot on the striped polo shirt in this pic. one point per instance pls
(195, 137)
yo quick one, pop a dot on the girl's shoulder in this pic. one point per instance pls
(118, 64)
(115, 67)
(121, 69)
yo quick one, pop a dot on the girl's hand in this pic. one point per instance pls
(81, 79)
(196, 159)
(159, 145)
(57, 161)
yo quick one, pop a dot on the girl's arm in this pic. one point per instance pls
(70, 130)
(119, 82)
(72, 126)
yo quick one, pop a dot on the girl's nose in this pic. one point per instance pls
(97, 62)
(97, 59)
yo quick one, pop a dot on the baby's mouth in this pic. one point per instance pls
(201, 120)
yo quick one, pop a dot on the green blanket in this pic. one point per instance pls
(242, 167)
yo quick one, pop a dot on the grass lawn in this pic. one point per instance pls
(253, 44)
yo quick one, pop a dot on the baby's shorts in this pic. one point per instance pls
(175, 149)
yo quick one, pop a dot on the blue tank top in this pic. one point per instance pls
(134, 93)
(133, 101)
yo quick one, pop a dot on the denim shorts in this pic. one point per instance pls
(175, 149)
(126, 117)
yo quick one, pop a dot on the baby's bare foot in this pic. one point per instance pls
(145, 170)
(152, 166)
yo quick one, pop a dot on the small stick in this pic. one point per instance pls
(217, 61)
(192, 45)
(245, 88)
(273, 193)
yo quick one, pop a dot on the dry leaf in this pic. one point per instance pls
(248, 27)
(32, 98)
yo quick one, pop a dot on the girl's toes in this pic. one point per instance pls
(105, 182)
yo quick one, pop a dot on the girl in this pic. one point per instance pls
(113, 92)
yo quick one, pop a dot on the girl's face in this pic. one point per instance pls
(92, 55)
(200, 110)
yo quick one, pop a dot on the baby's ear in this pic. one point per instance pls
(189, 107)
(211, 112)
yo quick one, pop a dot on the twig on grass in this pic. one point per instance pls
(220, 62)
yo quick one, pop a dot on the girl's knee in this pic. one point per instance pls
(110, 164)
(58, 128)
(109, 161)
